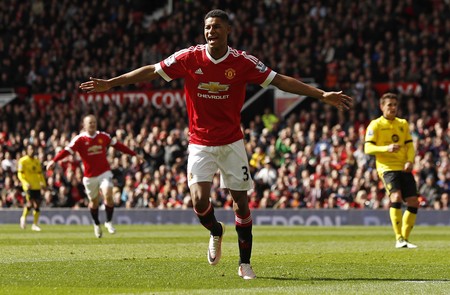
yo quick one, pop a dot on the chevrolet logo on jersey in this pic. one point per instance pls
(95, 149)
(213, 87)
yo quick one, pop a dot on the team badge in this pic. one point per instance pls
(395, 138)
(230, 73)
(190, 176)
(100, 141)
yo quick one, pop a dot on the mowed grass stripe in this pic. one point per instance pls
(146, 259)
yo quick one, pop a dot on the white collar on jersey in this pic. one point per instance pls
(216, 61)
(84, 133)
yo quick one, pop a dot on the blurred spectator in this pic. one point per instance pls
(36, 58)
(266, 177)
(269, 119)
(430, 193)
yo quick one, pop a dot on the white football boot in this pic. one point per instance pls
(246, 272)
(98, 231)
(110, 227)
(215, 247)
(35, 227)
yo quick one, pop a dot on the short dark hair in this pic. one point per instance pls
(219, 14)
(388, 95)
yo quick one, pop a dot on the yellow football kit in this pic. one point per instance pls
(380, 134)
(30, 173)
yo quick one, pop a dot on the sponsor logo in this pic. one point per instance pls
(95, 149)
(199, 71)
(212, 96)
(213, 87)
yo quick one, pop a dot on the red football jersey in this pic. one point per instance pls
(92, 150)
(215, 90)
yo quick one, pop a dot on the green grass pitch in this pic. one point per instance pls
(171, 259)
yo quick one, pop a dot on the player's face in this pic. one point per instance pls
(90, 124)
(216, 34)
(30, 151)
(389, 108)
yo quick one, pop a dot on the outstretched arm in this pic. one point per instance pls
(145, 73)
(289, 84)
(124, 149)
(59, 156)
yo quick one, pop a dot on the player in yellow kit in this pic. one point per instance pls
(389, 140)
(30, 174)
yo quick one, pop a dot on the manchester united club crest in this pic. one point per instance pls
(230, 73)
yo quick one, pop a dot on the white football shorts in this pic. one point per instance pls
(93, 184)
(231, 161)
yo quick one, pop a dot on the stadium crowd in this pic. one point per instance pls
(312, 159)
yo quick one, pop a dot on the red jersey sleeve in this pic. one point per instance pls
(121, 147)
(258, 72)
(176, 64)
(61, 155)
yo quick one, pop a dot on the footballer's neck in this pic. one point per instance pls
(217, 52)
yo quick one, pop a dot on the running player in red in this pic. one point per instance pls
(215, 83)
(92, 146)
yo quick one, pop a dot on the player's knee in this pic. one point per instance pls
(413, 202)
(201, 204)
(241, 207)
(93, 203)
(200, 196)
(395, 197)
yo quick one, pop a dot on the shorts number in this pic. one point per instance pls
(245, 170)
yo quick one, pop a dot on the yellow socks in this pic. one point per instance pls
(409, 219)
(396, 219)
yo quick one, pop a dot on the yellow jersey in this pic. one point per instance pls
(29, 171)
(382, 132)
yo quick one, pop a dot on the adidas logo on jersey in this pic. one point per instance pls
(199, 71)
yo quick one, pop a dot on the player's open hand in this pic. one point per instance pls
(50, 165)
(408, 167)
(338, 99)
(95, 85)
(140, 159)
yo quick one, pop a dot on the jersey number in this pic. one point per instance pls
(245, 170)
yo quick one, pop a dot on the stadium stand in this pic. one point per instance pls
(49, 47)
